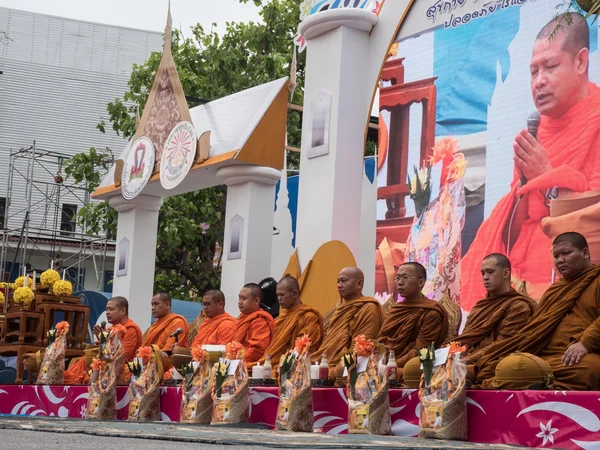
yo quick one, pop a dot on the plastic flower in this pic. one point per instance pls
(363, 346)
(98, 364)
(302, 343)
(19, 282)
(457, 168)
(62, 287)
(234, 350)
(49, 277)
(444, 150)
(144, 353)
(198, 353)
(23, 296)
(455, 347)
(62, 327)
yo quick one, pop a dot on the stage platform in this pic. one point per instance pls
(547, 419)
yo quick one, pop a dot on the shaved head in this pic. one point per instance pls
(255, 290)
(575, 239)
(501, 260)
(121, 302)
(289, 283)
(216, 295)
(163, 297)
(350, 283)
(420, 270)
(572, 28)
(353, 272)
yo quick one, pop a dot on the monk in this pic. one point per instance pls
(161, 333)
(218, 326)
(254, 328)
(117, 313)
(565, 329)
(354, 315)
(296, 319)
(500, 315)
(552, 165)
(416, 321)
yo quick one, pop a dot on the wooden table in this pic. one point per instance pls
(19, 350)
(76, 315)
(23, 327)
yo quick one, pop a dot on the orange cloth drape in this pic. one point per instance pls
(572, 143)
(216, 330)
(131, 340)
(254, 331)
(159, 332)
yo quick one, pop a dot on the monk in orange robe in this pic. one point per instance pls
(500, 315)
(218, 326)
(296, 319)
(416, 321)
(117, 313)
(354, 315)
(564, 158)
(254, 328)
(161, 333)
(565, 329)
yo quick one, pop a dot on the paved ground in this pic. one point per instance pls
(65, 434)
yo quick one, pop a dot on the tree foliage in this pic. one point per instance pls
(210, 66)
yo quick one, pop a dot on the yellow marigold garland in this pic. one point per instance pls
(49, 277)
(23, 296)
(62, 287)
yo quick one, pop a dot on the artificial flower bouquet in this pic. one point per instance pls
(106, 372)
(231, 401)
(367, 389)
(443, 395)
(196, 391)
(52, 368)
(295, 410)
(144, 389)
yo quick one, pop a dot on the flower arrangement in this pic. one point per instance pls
(135, 368)
(60, 329)
(144, 354)
(62, 288)
(420, 189)
(198, 354)
(20, 282)
(49, 277)
(219, 370)
(302, 344)
(363, 346)
(427, 358)
(98, 364)
(234, 350)
(23, 296)
(4, 285)
(453, 163)
(1, 297)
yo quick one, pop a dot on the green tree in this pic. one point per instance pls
(210, 66)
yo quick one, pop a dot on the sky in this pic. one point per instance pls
(144, 14)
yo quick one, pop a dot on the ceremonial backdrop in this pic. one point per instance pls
(454, 96)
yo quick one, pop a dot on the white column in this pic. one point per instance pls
(249, 216)
(136, 238)
(329, 199)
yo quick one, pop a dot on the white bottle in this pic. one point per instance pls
(267, 367)
(392, 366)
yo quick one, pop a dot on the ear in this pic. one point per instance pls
(586, 253)
(421, 282)
(582, 60)
(506, 273)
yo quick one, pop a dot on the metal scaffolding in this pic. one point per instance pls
(36, 218)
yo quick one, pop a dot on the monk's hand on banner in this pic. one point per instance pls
(574, 354)
(530, 157)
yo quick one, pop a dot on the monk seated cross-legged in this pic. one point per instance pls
(218, 326)
(498, 316)
(295, 320)
(162, 332)
(254, 328)
(117, 313)
(416, 321)
(564, 331)
(355, 315)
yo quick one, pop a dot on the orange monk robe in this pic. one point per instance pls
(568, 312)
(494, 319)
(576, 167)
(292, 323)
(131, 339)
(159, 332)
(410, 326)
(350, 319)
(216, 330)
(254, 331)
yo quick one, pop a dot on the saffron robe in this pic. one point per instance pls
(131, 340)
(410, 326)
(291, 324)
(350, 319)
(254, 331)
(159, 332)
(574, 154)
(568, 312)
(216, 330)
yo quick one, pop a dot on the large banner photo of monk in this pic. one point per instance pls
(489, 142)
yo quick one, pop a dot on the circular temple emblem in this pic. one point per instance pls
(138, 168)
(178, 155)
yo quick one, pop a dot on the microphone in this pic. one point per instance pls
(533, 123)
(176, 333)
(103, 325)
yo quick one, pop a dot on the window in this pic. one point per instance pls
(2, 212)
(67, 219)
